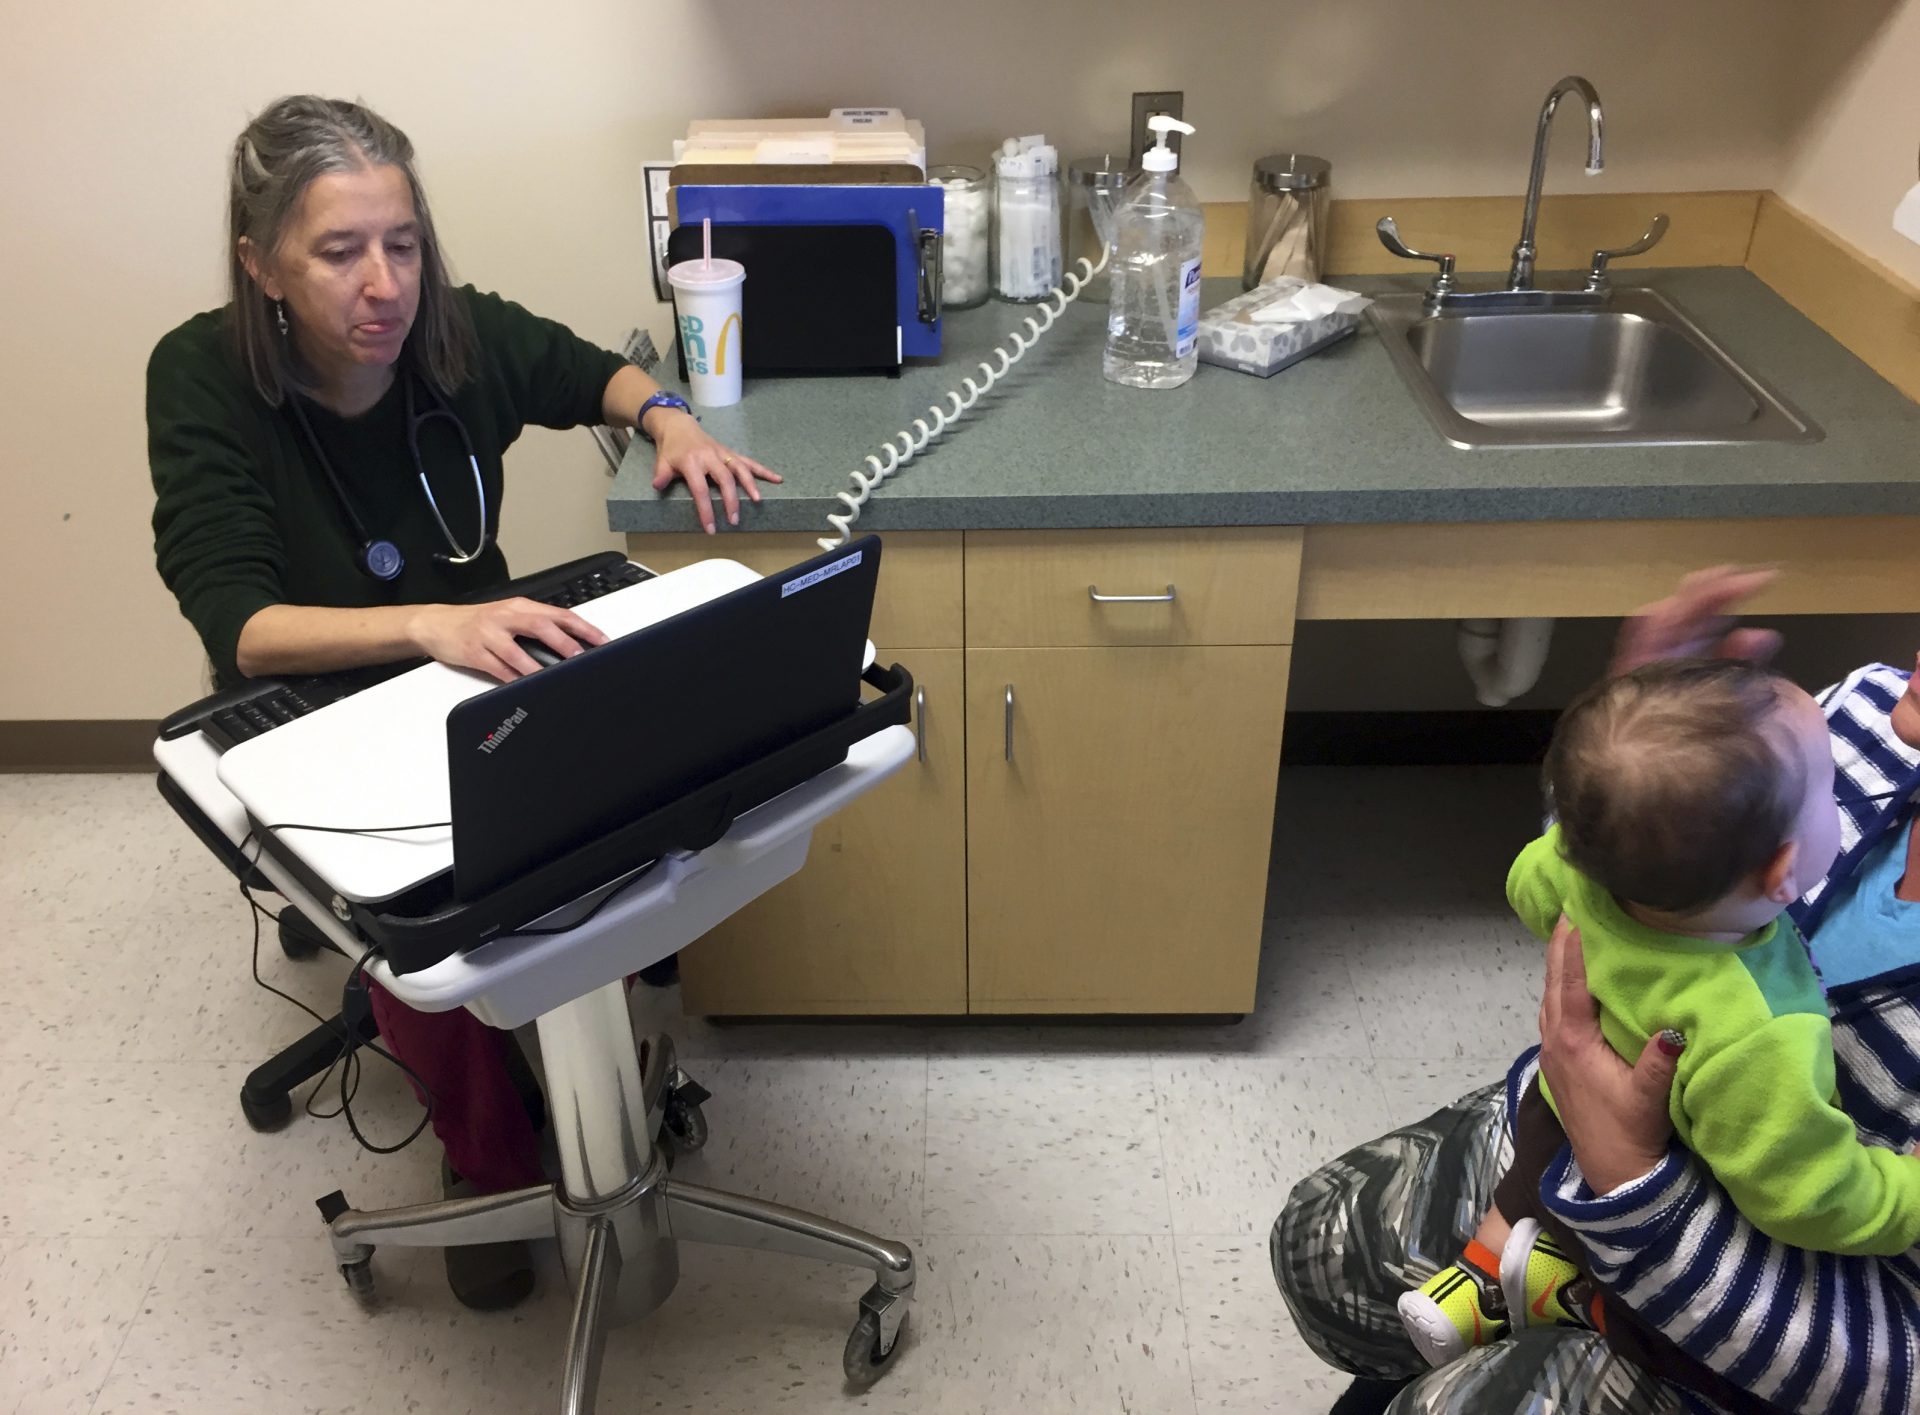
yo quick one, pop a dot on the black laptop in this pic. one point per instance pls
(551, 762)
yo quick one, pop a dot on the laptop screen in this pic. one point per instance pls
(559, 759)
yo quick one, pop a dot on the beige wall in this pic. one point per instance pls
(1858, 150)
(531, 120)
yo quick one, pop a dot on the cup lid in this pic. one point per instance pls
(697, 274)
(1291, 172)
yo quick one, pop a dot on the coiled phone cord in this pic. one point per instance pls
(900, 449)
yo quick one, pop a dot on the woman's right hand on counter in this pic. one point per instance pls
(1696, 621)
(482, 636)
(1615, 1115)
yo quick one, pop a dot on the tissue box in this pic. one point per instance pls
(1231, 338)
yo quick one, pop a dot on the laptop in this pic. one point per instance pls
(380, 757)
(541, 766)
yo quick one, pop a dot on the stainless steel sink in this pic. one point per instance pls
(1626, 370)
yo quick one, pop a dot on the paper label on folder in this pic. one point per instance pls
(825, 572)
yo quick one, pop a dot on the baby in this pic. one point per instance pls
(1694, 802)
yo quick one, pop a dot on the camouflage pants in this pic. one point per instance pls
(1358, 1232)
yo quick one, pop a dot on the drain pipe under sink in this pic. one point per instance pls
(1504, 656)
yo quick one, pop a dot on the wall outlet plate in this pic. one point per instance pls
(1145, 105)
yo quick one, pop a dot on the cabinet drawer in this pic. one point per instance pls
(918, 604)
(1228, 585)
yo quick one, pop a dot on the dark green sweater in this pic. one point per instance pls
(244, 517)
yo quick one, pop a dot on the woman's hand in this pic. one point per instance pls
(1696, 621)
(687, 452)
(482, 635)
(1614, 1114)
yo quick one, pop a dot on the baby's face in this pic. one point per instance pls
(1817, 833)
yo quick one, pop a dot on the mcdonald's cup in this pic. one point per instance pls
(706, 301)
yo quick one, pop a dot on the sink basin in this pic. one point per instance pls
(1632, 371)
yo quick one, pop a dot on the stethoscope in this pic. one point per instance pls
(381, 559)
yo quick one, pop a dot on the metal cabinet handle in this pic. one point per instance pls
(920, 723)
(1094, 594)
(1009, 722)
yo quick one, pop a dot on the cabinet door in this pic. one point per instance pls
(1120, 819)
(875, 922)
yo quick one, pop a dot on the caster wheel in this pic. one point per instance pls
(864, 1361)
(684, 1130)
(270, 1114)
(297, 939)
(359, 1278)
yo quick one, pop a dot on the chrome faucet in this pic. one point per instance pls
(1520, 277)
(1520, 293)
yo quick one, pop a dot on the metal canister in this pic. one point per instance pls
(1287, 218)
(1094, 185)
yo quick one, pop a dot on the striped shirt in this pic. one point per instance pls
(1805, 1331)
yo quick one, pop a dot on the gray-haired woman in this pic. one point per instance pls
(289, 434)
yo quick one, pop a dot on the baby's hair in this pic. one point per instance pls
(1674, 782)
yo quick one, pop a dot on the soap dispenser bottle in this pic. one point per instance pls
(1153, 319)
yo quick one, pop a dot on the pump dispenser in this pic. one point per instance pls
(1153, 319)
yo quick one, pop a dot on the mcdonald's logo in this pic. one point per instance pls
(732, 326)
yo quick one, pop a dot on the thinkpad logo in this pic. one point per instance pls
(503, 731)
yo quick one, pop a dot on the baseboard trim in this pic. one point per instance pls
(1466, 738)
(103, 745)
(1312, 739)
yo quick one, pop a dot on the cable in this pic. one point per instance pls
(347, 1062)
(357, 829)
(909, 446)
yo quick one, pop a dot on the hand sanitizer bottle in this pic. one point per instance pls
(1153, 316)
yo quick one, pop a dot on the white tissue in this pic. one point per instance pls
(1906, 216)
(1296, 302)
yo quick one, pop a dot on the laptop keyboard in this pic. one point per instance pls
(274, 702)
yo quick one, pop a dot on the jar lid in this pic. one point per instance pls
(1106, 172)
(1291, 172)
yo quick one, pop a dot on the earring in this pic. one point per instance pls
(280, 314)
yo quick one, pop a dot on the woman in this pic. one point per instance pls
(326, 455)
(1767, 1327)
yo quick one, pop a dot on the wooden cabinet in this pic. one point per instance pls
(1103, 851)
(1119, 823)
(876, 922)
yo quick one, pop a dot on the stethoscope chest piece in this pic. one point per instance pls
(382, 560)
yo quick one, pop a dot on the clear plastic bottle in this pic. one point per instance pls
(1153, 315)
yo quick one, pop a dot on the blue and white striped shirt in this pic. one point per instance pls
(1805, 1331)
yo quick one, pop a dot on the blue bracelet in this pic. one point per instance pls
(661, 399)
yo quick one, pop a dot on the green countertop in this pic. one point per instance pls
(1336, 438)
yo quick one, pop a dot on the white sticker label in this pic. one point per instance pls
(1188, 332)
(825, 572)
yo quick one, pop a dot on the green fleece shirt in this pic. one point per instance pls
(244, 518)
(1754, 1097)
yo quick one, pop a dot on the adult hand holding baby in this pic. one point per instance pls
(1615, 1115)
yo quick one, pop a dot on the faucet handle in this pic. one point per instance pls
(1597, 280)
(1442, 283)
(1390, 238)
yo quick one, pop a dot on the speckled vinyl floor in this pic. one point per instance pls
(1089, 1203)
